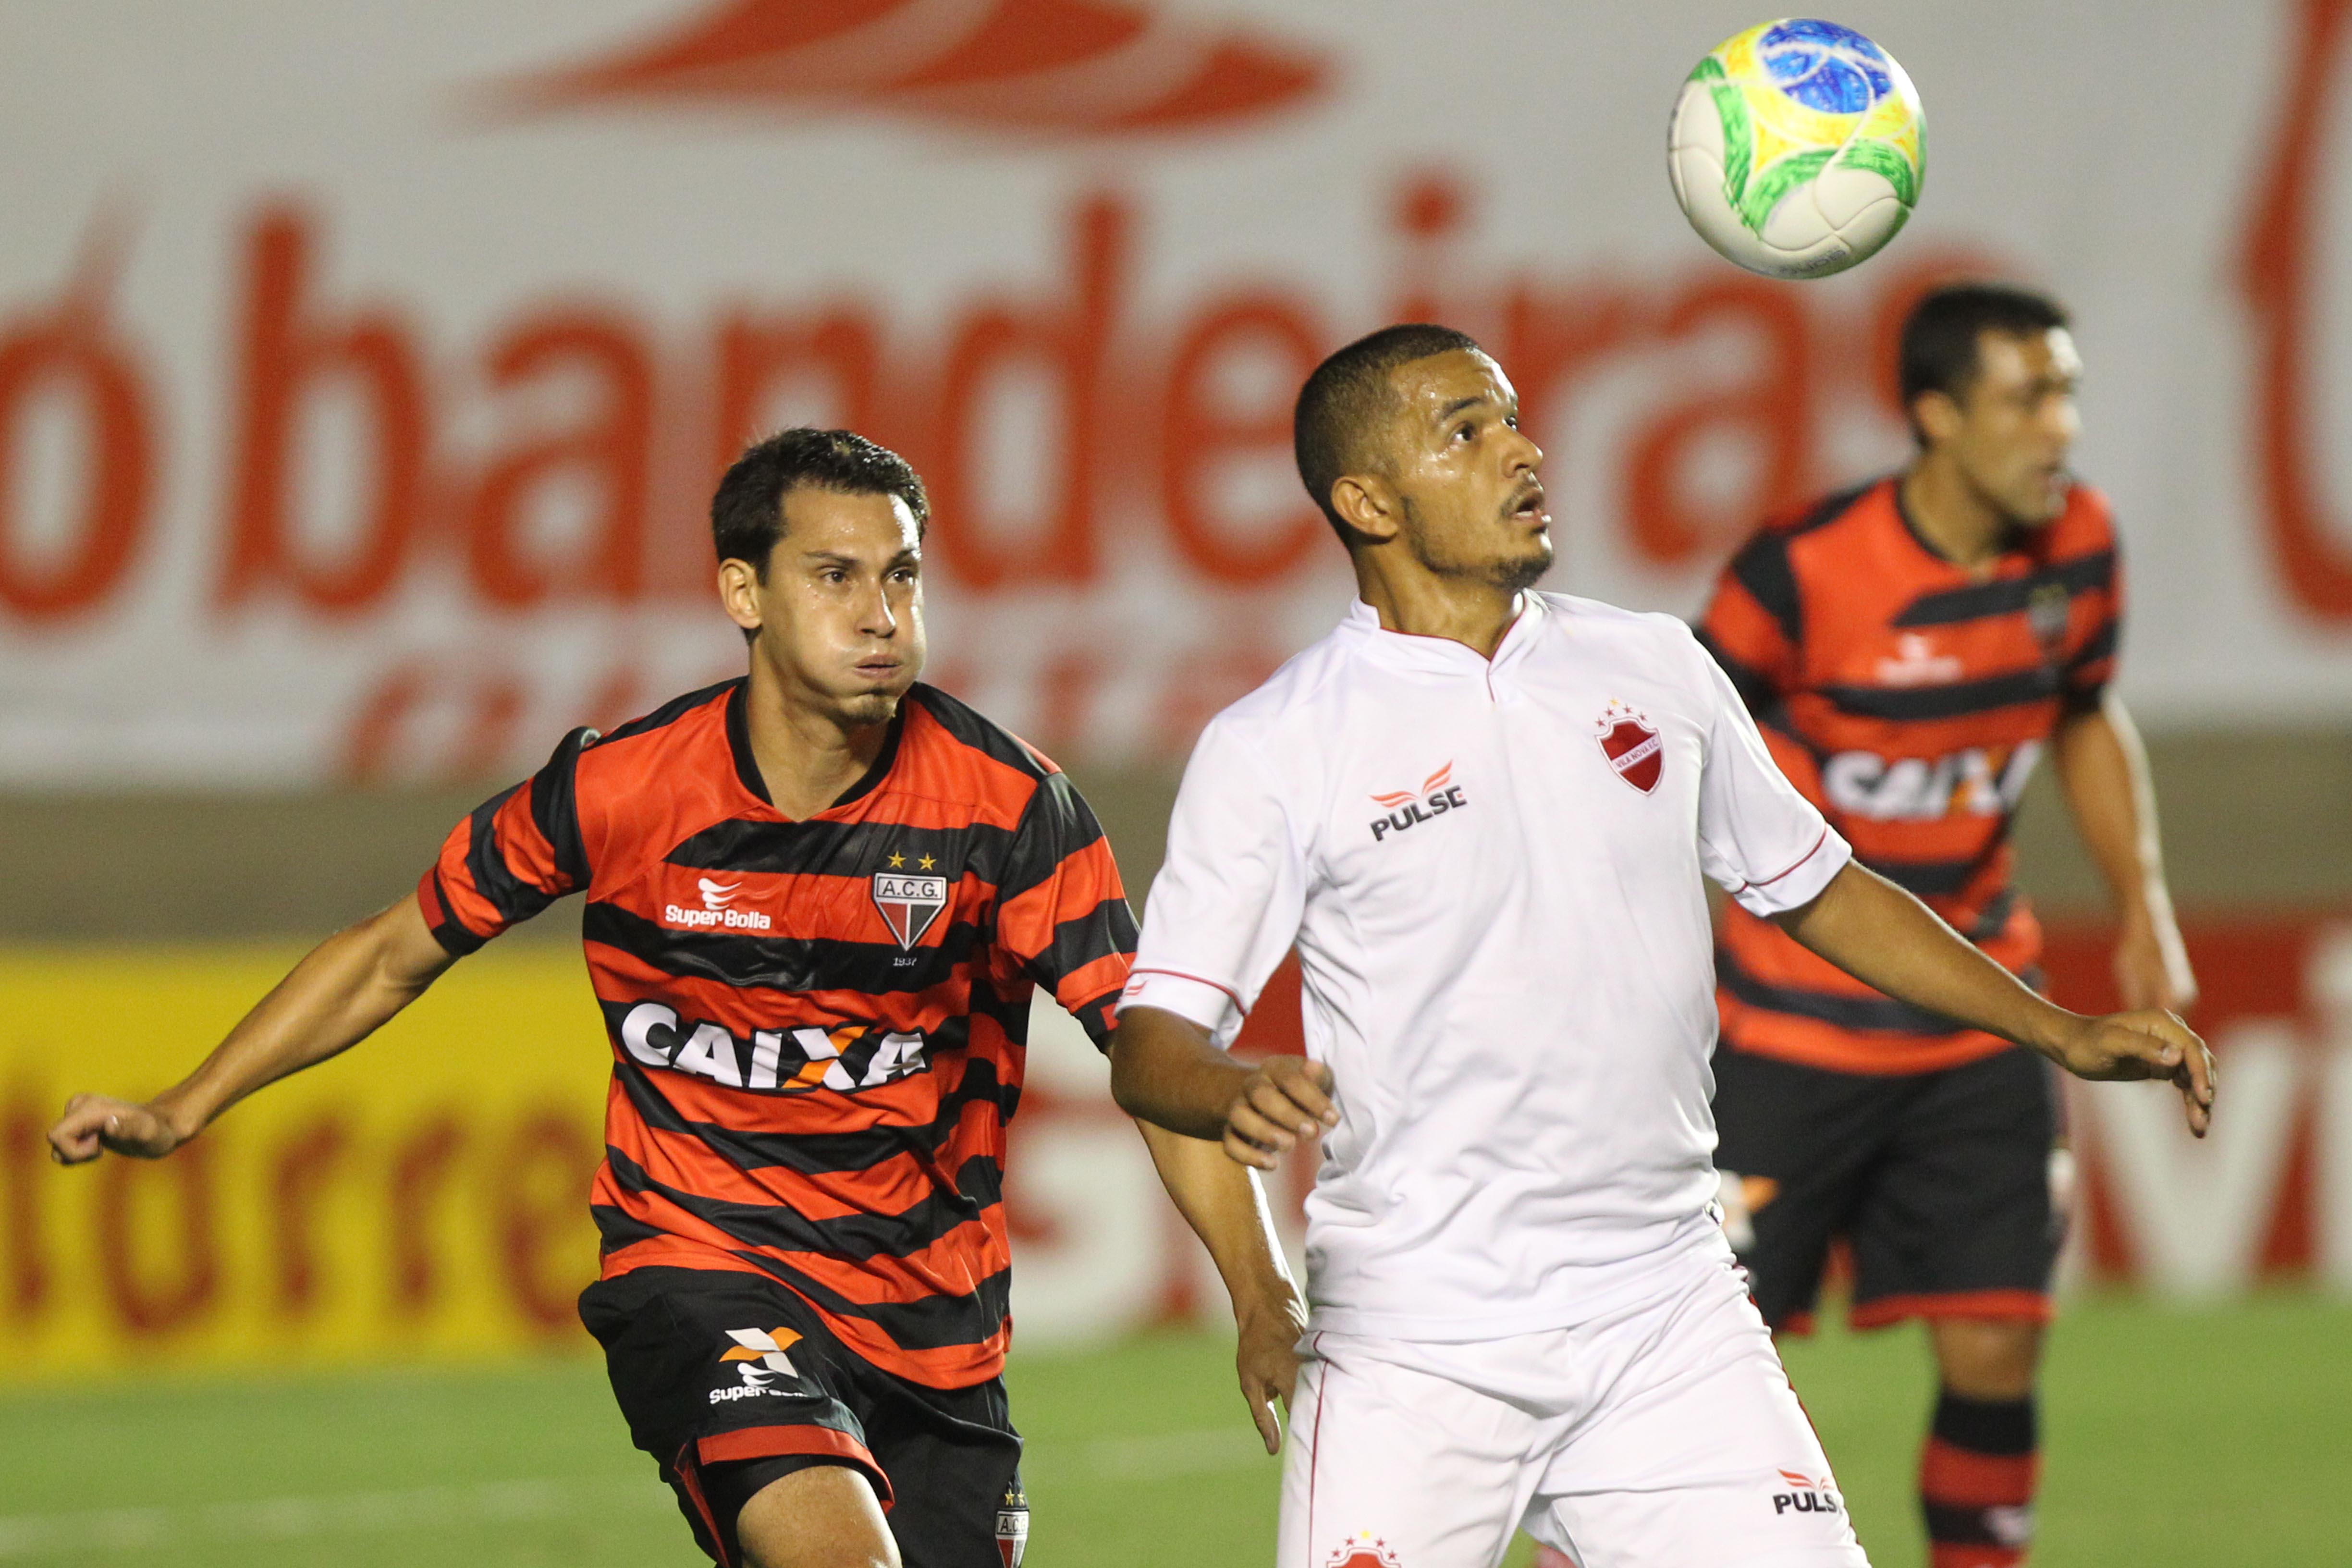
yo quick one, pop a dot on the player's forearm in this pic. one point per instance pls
(342, 991)
(1890, 941)
(2103, 773)
(1164, 1069)
(1226, 1207)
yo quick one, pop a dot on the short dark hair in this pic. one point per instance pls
(1939, 348)
(747, 513)
(1347, 397)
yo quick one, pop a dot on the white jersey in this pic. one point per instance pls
(1491, 873)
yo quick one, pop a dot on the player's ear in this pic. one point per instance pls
(738, 593)
(1935, 416)
(1369, 504)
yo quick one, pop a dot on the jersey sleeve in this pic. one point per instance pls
(1760, 839)
(518, 852)
(1226, 905)
(2091, 665)
(1755, 626)
(1062, 914)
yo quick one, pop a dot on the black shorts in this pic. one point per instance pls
(731, 1381)
(1939, 1182)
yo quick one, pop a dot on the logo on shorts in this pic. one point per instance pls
(1013, 1524)
(1806, 1495)
(908, 904)
(1363, 1550)
(761, 1358)
(1437, 796)
(1631, 744)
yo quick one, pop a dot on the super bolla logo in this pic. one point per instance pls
(1409, 808)
(718, 910)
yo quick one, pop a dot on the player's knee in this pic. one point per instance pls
(1988, 1358)
(824, 1517)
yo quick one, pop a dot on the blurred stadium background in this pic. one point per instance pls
(362, 374)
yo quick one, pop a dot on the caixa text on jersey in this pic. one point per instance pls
(848, 1058)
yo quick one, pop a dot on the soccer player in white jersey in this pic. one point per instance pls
(1481, 815)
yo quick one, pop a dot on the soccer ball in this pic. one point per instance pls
(1797, 148)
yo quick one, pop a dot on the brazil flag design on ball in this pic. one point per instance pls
(1797, 148)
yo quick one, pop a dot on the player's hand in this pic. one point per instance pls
(1285, 1100)
(1266, 1354)
(2144, 1045)
(2152, 966)
(96, 1122)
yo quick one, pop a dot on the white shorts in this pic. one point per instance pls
(1661, 1435)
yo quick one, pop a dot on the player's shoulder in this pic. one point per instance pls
(950, 751)
(2086, 526)
(636, 752)
(1650, 640)
(1304, 681)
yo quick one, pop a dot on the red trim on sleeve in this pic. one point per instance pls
(428, 898)
(1800, 860)
(1203, 980)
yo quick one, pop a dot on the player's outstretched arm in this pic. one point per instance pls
(1227, 1210)
(1165, 1069)
(1885, 938)
(350, 985)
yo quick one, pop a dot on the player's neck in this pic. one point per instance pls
(1951, 515)
(807, 755)
(1422, 604)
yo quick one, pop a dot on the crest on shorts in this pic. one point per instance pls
(1013, 1524)
(1632, 745)
(908, 904)
(1363, 1550)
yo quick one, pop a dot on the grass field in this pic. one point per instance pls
(2174, 1438)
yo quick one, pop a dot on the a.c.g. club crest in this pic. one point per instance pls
(1632, 745)
(908, 904)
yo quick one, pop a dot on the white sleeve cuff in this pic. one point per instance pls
(1802, 883)
(1204, 1002)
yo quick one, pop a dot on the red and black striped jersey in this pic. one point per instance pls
(1910, 697)
(818, 1027)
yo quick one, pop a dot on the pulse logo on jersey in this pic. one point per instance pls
(762, 1358)
(718, 910)
(908, 904)
(1407, 808)
(846, 1058)
(1632, 745)
(1806, 1495)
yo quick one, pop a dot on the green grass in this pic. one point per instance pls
(2174, 1438)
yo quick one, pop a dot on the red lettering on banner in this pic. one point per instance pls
(1552, 339)
(2277, 269)
(148, 1300)
(539, 1185)
(73, 352)
(299, 1174)
(1772, 408)
(1208, 427)
(287, 354)
(479, 706)
(1430, 210)
(839, 349)
(606, 450)
(421, 1167)
(1075, 345)
(24, 1164)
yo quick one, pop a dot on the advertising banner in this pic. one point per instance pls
(424, 1198)
(364, 370)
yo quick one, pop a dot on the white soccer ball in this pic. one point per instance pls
(1797, 148)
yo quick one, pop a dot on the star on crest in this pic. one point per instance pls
(897, 859)
(927, 862)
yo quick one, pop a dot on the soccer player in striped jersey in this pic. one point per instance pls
(818, 899)
(1909, 650)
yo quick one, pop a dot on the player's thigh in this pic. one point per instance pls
(1385, 1465)
(1804, 1142)
(823, 1516)
(1703, 1459)
(1962, 1220)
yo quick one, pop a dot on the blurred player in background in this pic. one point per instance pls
(819, 898)
(1482, 815)
(1910, 649)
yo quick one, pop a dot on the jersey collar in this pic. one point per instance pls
(1444, 655)
(747, 769)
